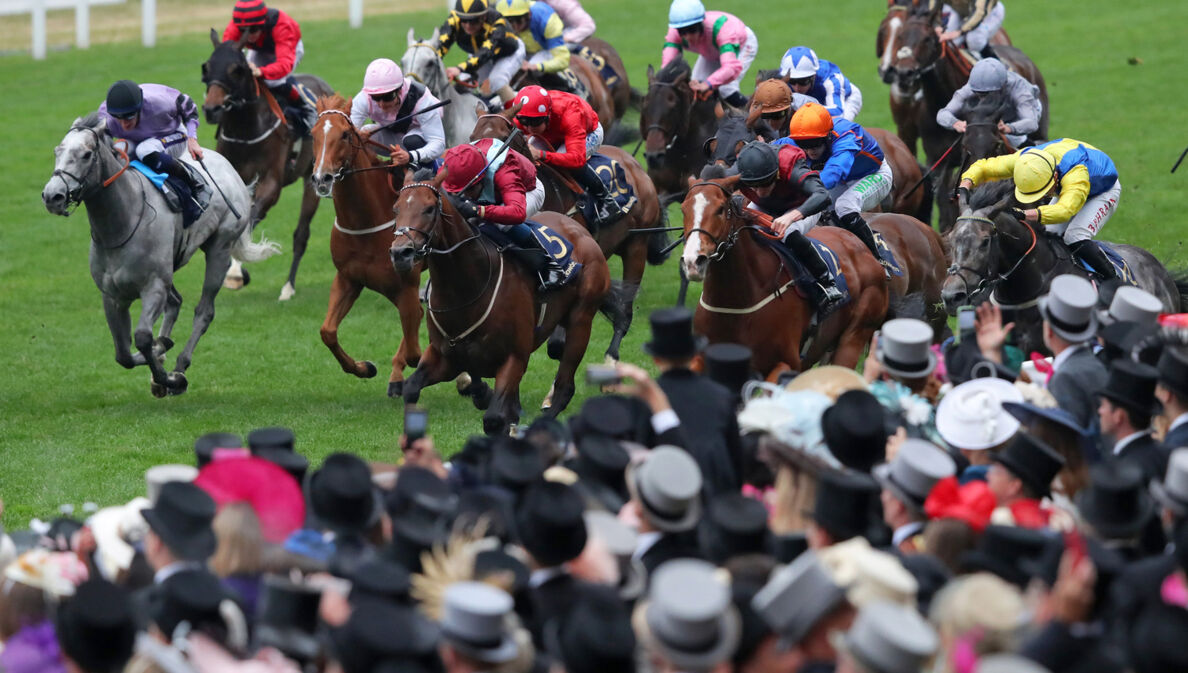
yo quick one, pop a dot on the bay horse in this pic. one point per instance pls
(1000, 259)
(137, 243)
(982, 139)
(748, 296)
(362, 187)
(256, 139)
(675, 123)
(920, 59)
(620, 89)
(486, 317)
(635, 250)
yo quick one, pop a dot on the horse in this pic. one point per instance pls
(361, 186)
(254, 137)
(486, 317)
(746, 297)
(998, 258)
(137, 243)
(636, 250)
(982, 139)
(920, 59)
(621, 93)
(675, 123)
(421, 63)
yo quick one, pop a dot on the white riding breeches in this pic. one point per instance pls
(976, 39)
(704, 67)
(857, 196)
(535, 199)
(260, 60)
(174, 144)
(499, 72)
(1090, 219)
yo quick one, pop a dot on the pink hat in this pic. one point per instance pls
(382, 76)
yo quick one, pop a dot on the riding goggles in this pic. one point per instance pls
(531, 121)
(810, 143)
(124, 115)
(384, 97)
(801, 81)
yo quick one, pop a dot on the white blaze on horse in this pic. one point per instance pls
(137, 242)
(421, 62)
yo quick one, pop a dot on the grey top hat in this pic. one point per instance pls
(1133, 304)
(889, 638)
(914, 471)
(1009, 663)
(668, 485)
(796, 597)
(473, 620)
(158, 475)
(620, 540)
(1172, 492)
(688, 618)
(1070, 308)
(905, 348)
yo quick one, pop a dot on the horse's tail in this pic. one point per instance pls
(658, 242)
(1180, 278)
(247, 250)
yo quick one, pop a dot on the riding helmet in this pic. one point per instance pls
(382, 76)
(470, 9)
(249, 13)
(510, 8)
(758, 163)
(461, 164)
(685, 13)
(1035, 173)
(810, 122)
(124, 98)
(799, 62)
(988, 74)
(533, 101)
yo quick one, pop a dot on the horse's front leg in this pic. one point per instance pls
(504, 409)
(434, 367)
(309, 206)
(152, 302)
(343, 293)
(119, 323)
(173, 304)
(408, 307)
(218, 260)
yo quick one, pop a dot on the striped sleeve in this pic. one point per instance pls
(187, 112)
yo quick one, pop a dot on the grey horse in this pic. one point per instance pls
(997, 257)
(137, 243)
(422, 63)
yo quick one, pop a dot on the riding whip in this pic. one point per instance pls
(930, 170)
(414, 114)
(1180, 160)
(220, 189)
(506, 144)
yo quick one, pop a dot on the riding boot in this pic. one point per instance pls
(853, 223)
(736, 100)
(1090, 252)
(551, 274)
(988, 51)
(164, 162)
(800, 246)
(606, 208)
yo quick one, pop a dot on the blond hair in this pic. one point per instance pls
(980, 606)
(241, 543)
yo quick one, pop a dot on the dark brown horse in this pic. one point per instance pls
(620, 87)
(675, 123)
(635, 250)
(348, 169)
(256, 139)
(982, 138)
(486, 317)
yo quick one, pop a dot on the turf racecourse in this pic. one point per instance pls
(76, 427)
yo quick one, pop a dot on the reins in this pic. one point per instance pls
(990, 282)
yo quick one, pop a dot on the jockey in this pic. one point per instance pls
(391, 102)
(771, 109)
(987, 76)
(540, 29)
(569, 124)
(778, 181)
(1081, 178)
(822, 81)
(274, 49)
(971, 23)
(851, 164)
(495, 53)
(578, 23)
(158, 123)
(725, 48)
(507, 194)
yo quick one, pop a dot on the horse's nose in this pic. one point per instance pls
(695, 270)
(212, 113)
(55, 200)
(953, 298)
(654, 159)
(887, 75)
(402, 258)
(323, 184)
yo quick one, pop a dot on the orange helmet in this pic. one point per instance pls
(811, 121)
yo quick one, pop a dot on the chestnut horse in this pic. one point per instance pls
(675, 123)
(255, 138)
(486, 317)
(347, 169)
(749, 296)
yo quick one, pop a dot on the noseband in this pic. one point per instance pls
(988, 281)
(733, 216)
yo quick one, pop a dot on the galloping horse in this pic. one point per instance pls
(421, 62)
(749, 295)
(137, 243)
(920, 59)
(675, 123)
(256, 140)
(620, 89)
(982, 139)
(485, 315)
(635, 250)
(1011, 263)
(348, 170)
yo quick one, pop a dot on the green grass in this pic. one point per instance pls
(75, 426)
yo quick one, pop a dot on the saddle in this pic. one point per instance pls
(177, 192)
(803, 281)
(1125, 273)
(551, 242)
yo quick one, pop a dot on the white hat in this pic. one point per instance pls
(971, 415)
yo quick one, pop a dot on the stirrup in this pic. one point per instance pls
(830, 296)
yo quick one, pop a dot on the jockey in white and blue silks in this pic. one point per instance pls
(822, 81)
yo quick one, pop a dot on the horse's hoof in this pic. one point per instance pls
(369, 370)
(548, 400)
(177, 383)
(235, 283)
(287, 291)
(611, 360)
(158, 390)
(556, 348)
(494, 425)
(463, 382)
(161, 345)
(395, 389)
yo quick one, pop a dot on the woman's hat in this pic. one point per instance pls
(688, 617)
(1070, 308)
(1026, 413)
(971, 416)
(905, 348)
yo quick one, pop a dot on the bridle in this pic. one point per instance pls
(79, 193)
(236, 97)
(989, 282)
(733, 216)
(660, 127)
(427, 234)
(357, 145)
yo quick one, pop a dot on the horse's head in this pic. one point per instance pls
(421, 62)
(708, 213)
(975, 244)
(336, 142)
(982, 138)
(227, 76)
(421, 214)
(77, 164)
(664, 114)
(914, 49)
(499, 125)
(722, 149)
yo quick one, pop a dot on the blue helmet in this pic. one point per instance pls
(683, 13)
(799, 62)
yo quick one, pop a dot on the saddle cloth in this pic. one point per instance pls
(607, 73)
(175, 191)
(552, 242)
(614, 177)
(888, 256)
(1125, 274)
(804, 280)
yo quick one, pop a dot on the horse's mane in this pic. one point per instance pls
(990, 193)
(334, 101)
(90, 121)
(674, 69)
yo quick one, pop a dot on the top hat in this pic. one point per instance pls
(730, 365)
(854, 430)
(515, 463)
(796, 597)
(1131, 385)
(271, 438)
(917, 467)
(182, 518)
(472, 622)
(688, 618)
(367, 643)
(609, 415)
(192, 595)
(205, 446)
(1006, 551)
(550, 523)
(1134, 305)
(668, 486)
(905, 348)
(889, 638)
(621, 541)
(971, 416)
(1032, 461)
(847, 504)
(292, 462)
(1173, 369)
(492, 505)
(287, 618)
(1009, 663)
(340, 495)
(672, 335)
(603, 459)
(1172, 492)
(96, 628)
(421, 487)
(1069, 307)
(734, 525)
(1115, 504)
(380, 579)
(596, 637)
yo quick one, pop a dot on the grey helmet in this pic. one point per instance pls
(757, 163)
(988, 74)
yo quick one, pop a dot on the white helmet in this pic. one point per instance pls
(988, 74)
(799, 62)
(382, 76)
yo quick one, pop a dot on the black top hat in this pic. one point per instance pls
(515, 463)
(287, 618)
(379, 633)
(672, 335)
(494, 505)
(608, 415)
(380, 579)
(418, 486)
(595, 637)
(1032, 461)
(192, 596)
(96, 627)
(854, 430)
(492, 561)
(271, 438)
(292, 462)
(182, 518)
(734, 525)
(1116, 504)
(847, 504)
(730, 365)
(1132, 385)
(1173, 369)
(550, 523)
(1006, 551)
(205, 446)
(340, 495)
(603, 459)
